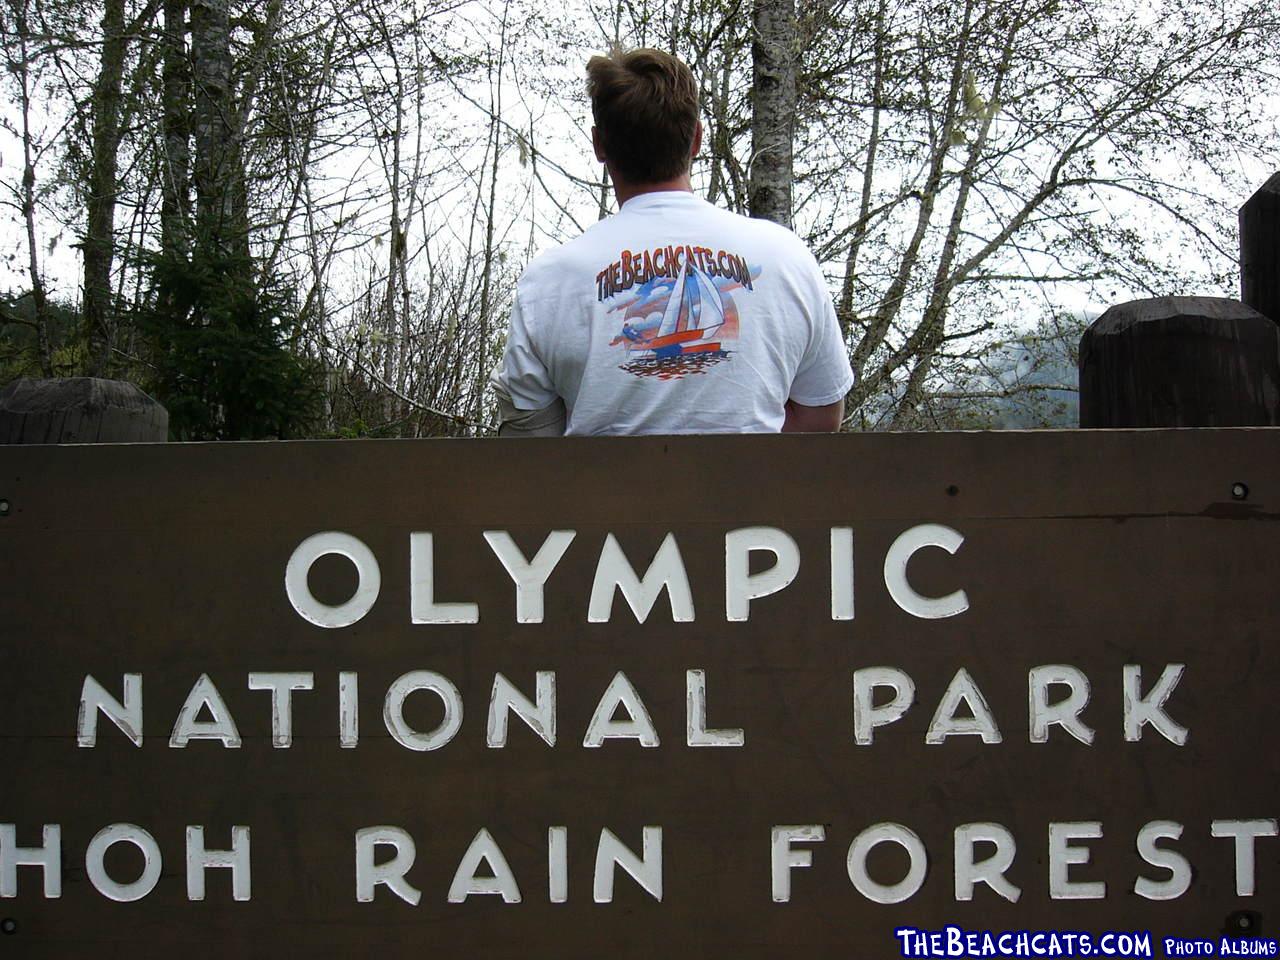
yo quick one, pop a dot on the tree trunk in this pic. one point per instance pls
(99, 241)
(176, 173)
(931, 333)
(486, 304)
(844, 306)
(871, 381)
(218, 168)
(39, 299)
(399, 251)
(773, 109)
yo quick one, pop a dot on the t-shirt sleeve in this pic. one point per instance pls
(522, 373)
(824, 375)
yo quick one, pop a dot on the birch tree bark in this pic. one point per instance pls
(773, 109)
(221, 224)
(176, 129)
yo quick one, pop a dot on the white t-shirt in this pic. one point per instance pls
(673, 316)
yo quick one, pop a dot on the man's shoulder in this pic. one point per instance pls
(782, 244)
(740, 225)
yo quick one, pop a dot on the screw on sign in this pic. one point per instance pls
(1242, 923)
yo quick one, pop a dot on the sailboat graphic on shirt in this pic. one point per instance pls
(684, 340)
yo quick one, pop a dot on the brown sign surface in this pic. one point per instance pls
(685, 697)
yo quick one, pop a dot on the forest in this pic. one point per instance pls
(304, 218)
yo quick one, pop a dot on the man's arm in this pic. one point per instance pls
(528, 405)
(824, 375)
(514, 422)
(824, 419)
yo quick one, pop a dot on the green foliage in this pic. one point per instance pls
(19, 347)
(219, 350)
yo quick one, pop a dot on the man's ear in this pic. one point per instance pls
(597, 145)
(697, 140)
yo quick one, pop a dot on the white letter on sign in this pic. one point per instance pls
(614, 572)
(895, 572)
(1066, 712)
(391, 873)
(465, 882)
(128, 717)
(646, 869)
(876, 834)
(48, 857)
(741, 586)
(1244, 832)
(1062, 855)
(311, 550)
(945, 723)
(558, 864)
(422, 588)
(529, 575)
(393, 710)
(1139, 711)
(866, 715)
(842, 573)
(1178, 866)
(281, 686)
(698, 735)
(200, 859)
(602, 727)
(348, 709)
(969, 873)
(204, 695)
(151, 863)
(539, 717)
(783, 857)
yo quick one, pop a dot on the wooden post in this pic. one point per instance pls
(80, 410)
(1180, 362)
(1260, 249)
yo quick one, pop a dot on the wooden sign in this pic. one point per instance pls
(856, 696)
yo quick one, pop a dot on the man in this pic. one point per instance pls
(671, 316)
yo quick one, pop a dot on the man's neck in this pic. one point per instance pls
(624, 191)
